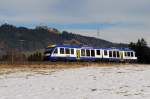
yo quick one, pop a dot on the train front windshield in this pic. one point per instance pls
(48, 51)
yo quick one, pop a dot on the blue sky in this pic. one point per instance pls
(117, 20)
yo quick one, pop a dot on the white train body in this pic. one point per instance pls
(74, 53)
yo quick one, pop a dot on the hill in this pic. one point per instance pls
(36, 39)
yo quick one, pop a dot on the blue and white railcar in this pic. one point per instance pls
(90, 54)
(111, 54)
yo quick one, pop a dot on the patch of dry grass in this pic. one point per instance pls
(57, 65)
(40, 66)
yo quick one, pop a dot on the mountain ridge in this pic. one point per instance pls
(40, 37)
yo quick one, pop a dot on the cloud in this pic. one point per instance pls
(75, 11)
(120, 35)
(117, 19)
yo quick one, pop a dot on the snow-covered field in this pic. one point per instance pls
(112, 82)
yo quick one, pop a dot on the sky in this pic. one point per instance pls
(120, 21)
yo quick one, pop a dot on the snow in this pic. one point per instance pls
(109, 82)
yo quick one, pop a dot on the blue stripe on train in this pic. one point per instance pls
(81, 58)
(90, 59)
(62, 58)
(111, 59)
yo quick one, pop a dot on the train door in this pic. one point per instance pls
(78, 54)
(121, 56)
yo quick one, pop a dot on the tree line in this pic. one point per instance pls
(14, 56)
(39, 37)
(142, 50)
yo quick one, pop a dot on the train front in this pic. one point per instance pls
(48, 52)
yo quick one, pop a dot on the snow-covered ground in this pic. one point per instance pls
(123, 82)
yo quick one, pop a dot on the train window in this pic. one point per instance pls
(87, 52)
(117, 53)
(56, 51)
(105, 52)
(114, 53)
(62, 51)
(98, 52)
(128, 53)
(92, 53)
(67, 51)
(49, 50)
(82, 52)
(131, 54)
(72, 51)
(110, 53)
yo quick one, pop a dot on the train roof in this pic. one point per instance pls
(90, 47)
(119, 49)
(69, 46)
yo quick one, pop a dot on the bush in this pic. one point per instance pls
(37, 56)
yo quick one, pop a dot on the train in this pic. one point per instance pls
(88, 53)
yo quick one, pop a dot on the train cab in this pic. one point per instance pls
(62, 52)
(129, 55)
(48, 52)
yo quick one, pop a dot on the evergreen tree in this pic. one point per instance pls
(142, 50)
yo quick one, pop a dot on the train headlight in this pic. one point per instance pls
(47, 54)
